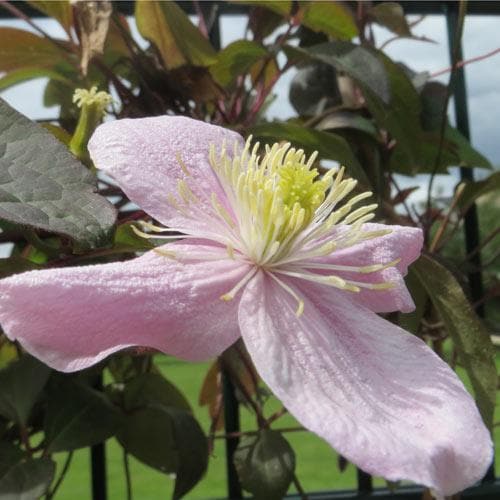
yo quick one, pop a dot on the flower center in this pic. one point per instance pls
(281, 216)
(274, 197)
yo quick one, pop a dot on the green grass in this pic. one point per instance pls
(316, 462)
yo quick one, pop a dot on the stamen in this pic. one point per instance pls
(300, 302)
(222, 212)
(147, 236)
(358, 269)
(182, 164)
(232, 293)
(165, 253)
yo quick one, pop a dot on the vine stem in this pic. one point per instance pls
(128, 477)
(232, 435)
(461, 64)
(59, 481)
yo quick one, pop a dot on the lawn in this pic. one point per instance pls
(317, 467)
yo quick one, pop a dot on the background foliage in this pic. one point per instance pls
(353, 104)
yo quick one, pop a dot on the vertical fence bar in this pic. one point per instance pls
(471, 223)
(98, 463)
(365, 484)
(231, 424)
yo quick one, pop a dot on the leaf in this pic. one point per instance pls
(21, 49)
(125, 238)
(177, 39)
(8, 353)
(28, 479)
(148, 435)
(391, 16)
(61, 10)
(93, 23)
(314, 88)
(153, 388)
(15, 265)
(433, 99)
(265, 464)
(192, 451)
(42, 185)
(264, 22)
(25, 74)
(282, 7)
(360, 63)
(329, 146)
(210, 392)
(332, 18)
(473, 190)
(348, 120)
(77, 416)
(169, 440)
(236, 59)
(470, 337)
(58, 132)
(411, 321)
(467, 155)
(10, 455)
(21, 383)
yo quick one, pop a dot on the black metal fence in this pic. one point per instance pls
(490, 487)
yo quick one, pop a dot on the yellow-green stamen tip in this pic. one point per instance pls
(84, 97)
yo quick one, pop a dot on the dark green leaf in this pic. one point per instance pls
(148, 435)
(177, 39)
(411, 321)
(43, 185)
(329, 146)
(192, 451)
(10, 455)
(332, 18)
(467, 155)
(433, 99)
(314, 88)
(27, 480)
(360, 63)
(265, 464)
(77, 416)
(470, 337)
(168, 440)
(391, 16)
(473, 190)
(152, 388)
(236, 59)
(21, 383)
(348, 120)
(400, 116)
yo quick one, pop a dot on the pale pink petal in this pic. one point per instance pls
(376, 393)
(73, 317)
(403, 243)
(142, 156)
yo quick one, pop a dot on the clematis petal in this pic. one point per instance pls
(376, 393)
(142, 156)
(73, 317)
(403, 243)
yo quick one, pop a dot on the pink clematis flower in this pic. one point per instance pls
(283, 258)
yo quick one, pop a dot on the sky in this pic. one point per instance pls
(482, 78)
